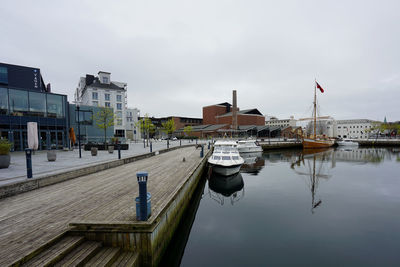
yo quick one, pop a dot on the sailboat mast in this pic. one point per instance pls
(315, 110)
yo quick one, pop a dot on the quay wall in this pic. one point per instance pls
(278, 145)
(35, 183)
(379, 142)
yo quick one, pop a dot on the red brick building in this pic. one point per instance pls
(222, 114)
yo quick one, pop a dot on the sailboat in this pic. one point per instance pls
(316, 142)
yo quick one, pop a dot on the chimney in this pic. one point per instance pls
(48, 88)
(234, 111)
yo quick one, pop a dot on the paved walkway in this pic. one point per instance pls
(69, 160)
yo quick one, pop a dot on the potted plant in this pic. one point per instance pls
(5, 147)
(93, 151)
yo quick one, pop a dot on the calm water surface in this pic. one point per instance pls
(330, 208)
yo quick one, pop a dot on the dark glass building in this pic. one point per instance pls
(25, 98)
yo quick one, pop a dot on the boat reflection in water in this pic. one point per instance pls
(253, 162)
(221, 187)
(314, 165)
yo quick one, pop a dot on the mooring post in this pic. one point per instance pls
(119, 150)
(196, 141)
(167, 143)
(142, 180)
(208, 144)
(151, 146)
(28, 153)
(202, 151)
(144, 143)
(180, 142)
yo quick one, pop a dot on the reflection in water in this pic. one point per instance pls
(253, 163)
(307, 165)
(220, 187)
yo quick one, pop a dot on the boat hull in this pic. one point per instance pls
(249, 149)
(311, 143)
(226, 170)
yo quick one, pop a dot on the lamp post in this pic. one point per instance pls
(79, 131)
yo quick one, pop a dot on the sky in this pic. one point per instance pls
(178, 56)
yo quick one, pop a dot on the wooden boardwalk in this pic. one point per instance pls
(31, 219)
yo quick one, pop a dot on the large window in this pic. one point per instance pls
(119, 98)
(3, 75)
(55, 106)
(3, 101)
(85, 117)
(37, 104)
(119, 106)
(18, 102)
(107, 97)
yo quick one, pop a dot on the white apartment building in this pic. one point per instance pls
(273, 121)
(101, 91)
(132, 127)
(357, 128)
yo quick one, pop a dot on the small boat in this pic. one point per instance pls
(315, 141)
(346, 142)
(249, 146)
(225, 159)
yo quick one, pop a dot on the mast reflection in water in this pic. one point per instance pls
(355, 200)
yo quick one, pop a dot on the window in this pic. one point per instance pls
(3, 75)
(55, 106)
(107, 104)
(37, 104)
(119, 133)
(3, 101)
(339, 127)
(85, 117)
(119, 98)
(18, 102)
(226, 158)
(107, 97)
(105, 79)
(217, 157)
(119, 106)
(95, 103)
(95, 96)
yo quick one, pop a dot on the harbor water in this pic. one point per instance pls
(337, 207)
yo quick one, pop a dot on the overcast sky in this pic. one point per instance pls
(178, 56)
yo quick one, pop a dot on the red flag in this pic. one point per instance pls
(319, 87)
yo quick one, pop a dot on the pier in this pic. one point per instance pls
(92, 219)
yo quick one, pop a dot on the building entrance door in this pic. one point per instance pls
(17, 140)
(43, 140)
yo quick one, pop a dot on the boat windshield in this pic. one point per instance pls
(225, 149)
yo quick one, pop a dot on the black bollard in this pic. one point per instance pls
(28, 153)
(167, 143)
(151, 147)
(208, 144)
(119, 150)
(143, 195)
(202, 151)
(144, 143)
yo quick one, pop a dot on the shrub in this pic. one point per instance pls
(5, 147)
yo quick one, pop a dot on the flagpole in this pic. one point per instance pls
(315, 109)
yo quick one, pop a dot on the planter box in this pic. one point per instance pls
(93, 151)
(51, 155)
(4, 161)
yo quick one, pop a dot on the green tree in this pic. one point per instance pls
(168, 127)
(146, 126)
(104, 119)
(188, 130)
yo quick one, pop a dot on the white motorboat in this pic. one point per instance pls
(346, 142)
(225, 159)
(249, 146)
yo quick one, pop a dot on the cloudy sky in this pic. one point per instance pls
(178, 56)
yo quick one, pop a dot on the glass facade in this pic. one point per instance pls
(55, 106)
(18, 102)
(37, 104)
(3, 75)
(3, 101)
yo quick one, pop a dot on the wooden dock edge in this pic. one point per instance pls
(35, 183)
(150, 239)
(267, 147)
